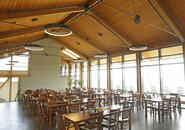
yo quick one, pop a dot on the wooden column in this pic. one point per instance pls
(88, 74)
(183, 45)
(138, 64)
(69, 69)
(10, 87)
(108, 73)
(81, 74)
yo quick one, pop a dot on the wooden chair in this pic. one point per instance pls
(90, 105)
(125, 117)
(112, 121)
(94, 122)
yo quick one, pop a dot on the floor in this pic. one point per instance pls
(13, 117)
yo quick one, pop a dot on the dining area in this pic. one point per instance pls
(99, 108)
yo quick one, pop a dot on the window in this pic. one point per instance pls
(84, 74)
(64, 70)
(21, 62)
(172, 70)
(130, 73)
(150, 71)
(103, 73)
(163, 70)
(116, 72)
(94, 74)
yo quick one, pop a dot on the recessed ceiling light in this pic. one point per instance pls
(138, 47)
(34, 20)
(100, 34)
(78, 43)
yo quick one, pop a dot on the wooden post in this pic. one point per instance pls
(88, 74)
(183, 45)
(69, 69)
(80, 74)
(108, 73)
(138, 64)
(10, 87)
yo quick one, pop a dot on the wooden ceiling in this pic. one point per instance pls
(107, 28)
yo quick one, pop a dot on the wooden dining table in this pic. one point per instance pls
(158, 100)
(53, 105)
(79, 117)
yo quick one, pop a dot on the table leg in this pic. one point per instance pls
(76, 126)
(50, 117)
(159, 111)
(145, 109)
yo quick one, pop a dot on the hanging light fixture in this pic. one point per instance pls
(100, 55)
(77, 60)
(55, 30)
(138, 47)
(34, 47)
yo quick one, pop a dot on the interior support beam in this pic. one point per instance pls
(81, 74)
(108, 73)
(168, 18)
(69, 75)
(10, 87)
(101, 19)
(58, 41)
(138, 64)
(88, 74)
(29, 13)
(98, 49)
(4, 83)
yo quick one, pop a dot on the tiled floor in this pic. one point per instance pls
(12, 117)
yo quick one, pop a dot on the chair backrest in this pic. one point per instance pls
(94, 121)
(126, 112)
(114, 116)
(90, 105)
(74, 108)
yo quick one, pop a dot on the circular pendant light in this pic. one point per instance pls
(138, 47)
(54, 30)
(77, 60)
(100, 55)
(32, 47)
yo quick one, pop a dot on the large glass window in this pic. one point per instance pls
(130, 73)
(150, 71)
(172, 70)
(163, 70)
(103, 73)
(116, 72)
(94, 74)
(64, 70)
(20, 62)
(84, 74)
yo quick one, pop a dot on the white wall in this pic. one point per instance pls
(44, 71)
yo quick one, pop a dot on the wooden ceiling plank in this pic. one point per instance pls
(98, 49)
(168, 17)
(29, 13)
(70, 48)
(112, 28)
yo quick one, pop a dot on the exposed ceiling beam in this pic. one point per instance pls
(101, 19)
(70, 48)
(24, 31)
(29, 13)
(166, 15)
(98, 49)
